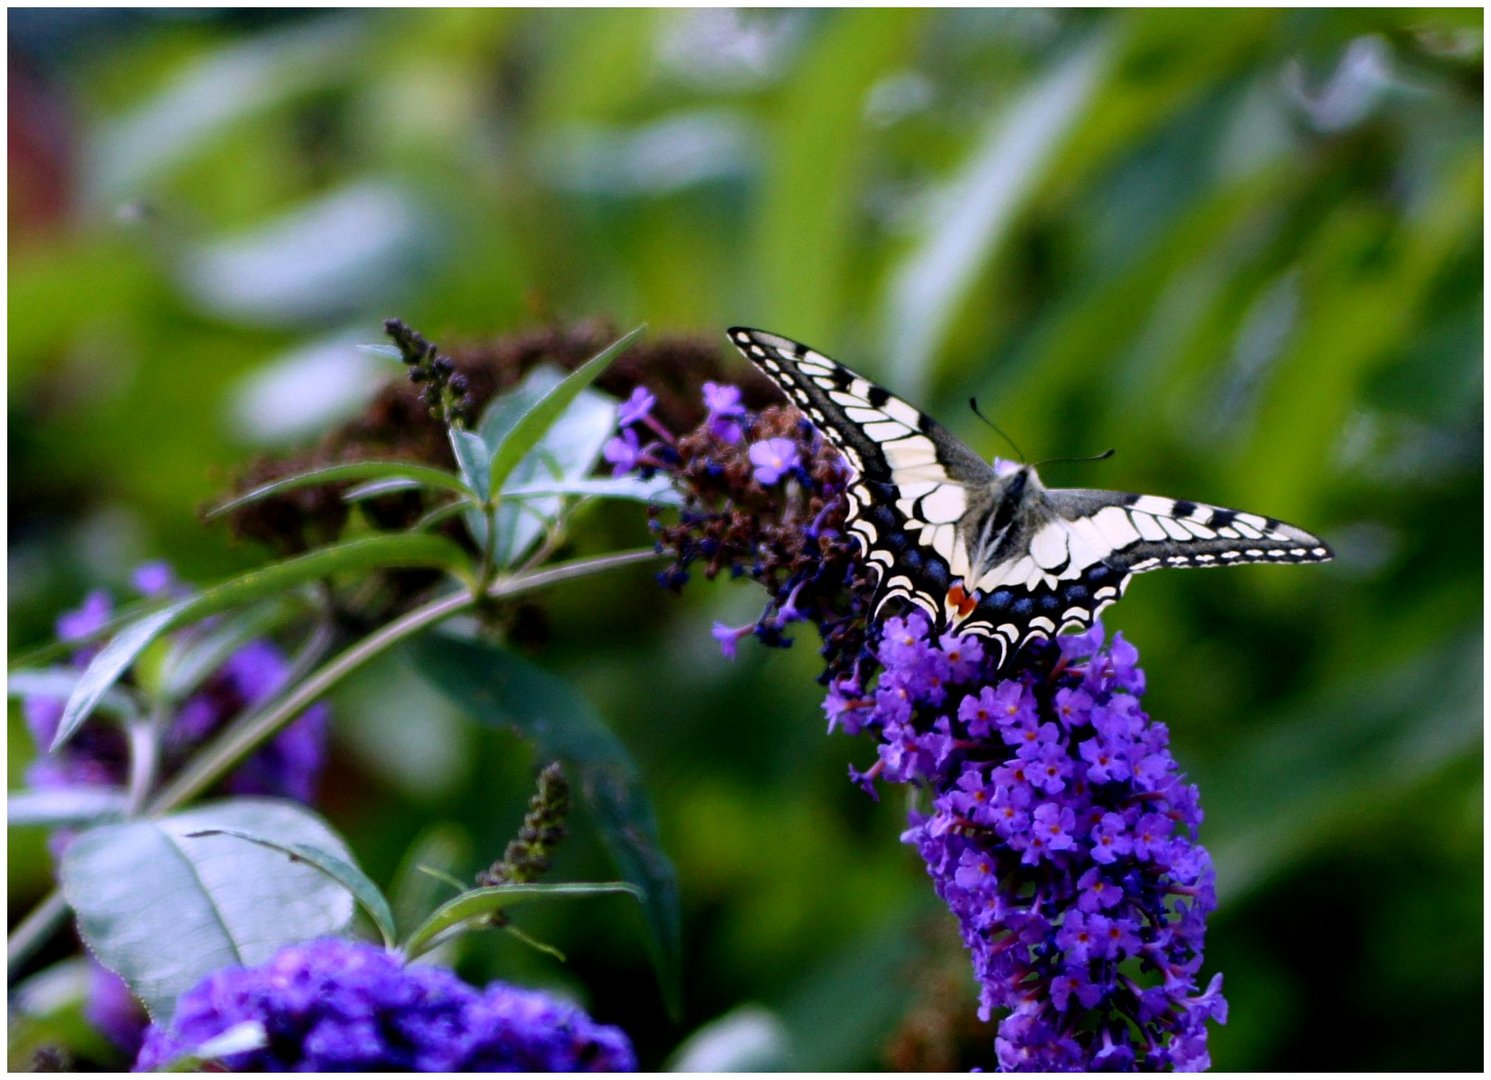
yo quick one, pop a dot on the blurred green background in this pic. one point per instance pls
(1243, 247)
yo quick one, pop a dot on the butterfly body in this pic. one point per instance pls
(994, 552)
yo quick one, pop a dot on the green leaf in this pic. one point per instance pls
(69, 807)
(435, 516)
(658, 490)
(373, 488)
(530, 428)
(425, 870)
(414, 475)
(566, 452)
(475, 459)
(163, 911)
(404, 549)
(343, 871)
(501, 688)
(979, 207)
(811, 198)
(479, 903)
(110, 663)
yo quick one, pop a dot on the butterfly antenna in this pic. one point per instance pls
(1104, 456)
(973, 404)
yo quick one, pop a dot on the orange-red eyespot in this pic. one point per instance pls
(960, 600)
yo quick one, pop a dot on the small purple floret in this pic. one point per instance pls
(635, 408)
(773, 459)
(623, 452)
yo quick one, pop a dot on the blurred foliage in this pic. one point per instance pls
(1244, 247)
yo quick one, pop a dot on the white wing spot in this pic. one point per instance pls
(885, 430)
(899, 410)
(1116, 527)
(947, 503)
(1148, 527)
(1176, 530)
(1155, 504)
(1049, 547)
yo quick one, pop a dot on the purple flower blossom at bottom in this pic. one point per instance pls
(339, 1006)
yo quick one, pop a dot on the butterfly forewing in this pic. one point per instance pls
(918, 499)
(912, 480)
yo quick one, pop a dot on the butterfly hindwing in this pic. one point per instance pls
(1083, 546)
(912, 483)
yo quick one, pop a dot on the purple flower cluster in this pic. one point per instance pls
(1062, 837)
(1060, 832)
(763, 497)
(341, 1006)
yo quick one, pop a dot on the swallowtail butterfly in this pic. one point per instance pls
(997, 554)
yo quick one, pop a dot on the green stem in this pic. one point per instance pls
(144, 758)
(240, 739)
(36, 930)
(246, 734)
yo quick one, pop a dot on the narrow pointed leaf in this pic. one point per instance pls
(416, 475)
(526, 433)
(60, 682)
(658, 490)
(478, 903)
(341, 870)
(566, 451)
(111, 662)
(188, 665)
(475, 459)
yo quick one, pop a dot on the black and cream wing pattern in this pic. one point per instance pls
(996, 554)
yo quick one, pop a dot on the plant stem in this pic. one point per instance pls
(240, 739)
(246, 734)
(36, 930)
(144, 758)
